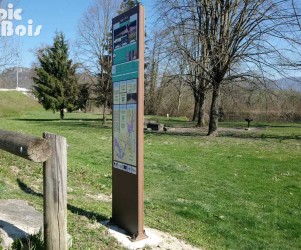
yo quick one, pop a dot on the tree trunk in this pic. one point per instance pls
(201, 111)
(179, 103)
(62, 115)
(196, 107)
(213, 120)
(86, 106)
(104, 115)
(152, 103)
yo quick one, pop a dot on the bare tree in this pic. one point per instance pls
(9, 48)
(94, 47)
(180, 86)
(152, 74)
(235, 37)
(157, 72)
(181, 19)
(242, 32)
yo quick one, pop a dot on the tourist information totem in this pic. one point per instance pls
(128, 115)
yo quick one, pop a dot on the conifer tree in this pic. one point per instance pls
(56, 84)
(127, 5)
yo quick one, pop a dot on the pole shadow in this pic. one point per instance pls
(12, 231)
(73, 209)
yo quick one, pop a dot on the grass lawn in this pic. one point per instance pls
(13, 103)
(236, 191)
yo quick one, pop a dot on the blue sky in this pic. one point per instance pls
(53, 15)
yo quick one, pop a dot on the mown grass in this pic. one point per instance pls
(227, 192)
(89, 174)
(13, 103)
(238, 191)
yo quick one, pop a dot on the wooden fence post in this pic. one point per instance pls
(55, 194)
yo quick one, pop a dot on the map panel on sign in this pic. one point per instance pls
(125, 139)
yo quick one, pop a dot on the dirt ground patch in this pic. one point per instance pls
(222, 131)
(171, 243)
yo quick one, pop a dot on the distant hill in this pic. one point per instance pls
(13, 103)
(8, 78)
(293, 83)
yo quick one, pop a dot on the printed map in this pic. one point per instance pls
(125, 130)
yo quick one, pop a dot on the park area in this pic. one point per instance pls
(241, 190)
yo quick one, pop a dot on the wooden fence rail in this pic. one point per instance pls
(52, 151)
(26, 146)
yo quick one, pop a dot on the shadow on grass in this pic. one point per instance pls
(261, 136)
(11, 230)
(277, 126)
(75, 210)
(239, 135)
(59, 120)
(27, 189)
(70, 122)
(159, 133)
(90, 215)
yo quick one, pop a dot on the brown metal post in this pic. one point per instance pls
(128, 88)
(140, 156)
